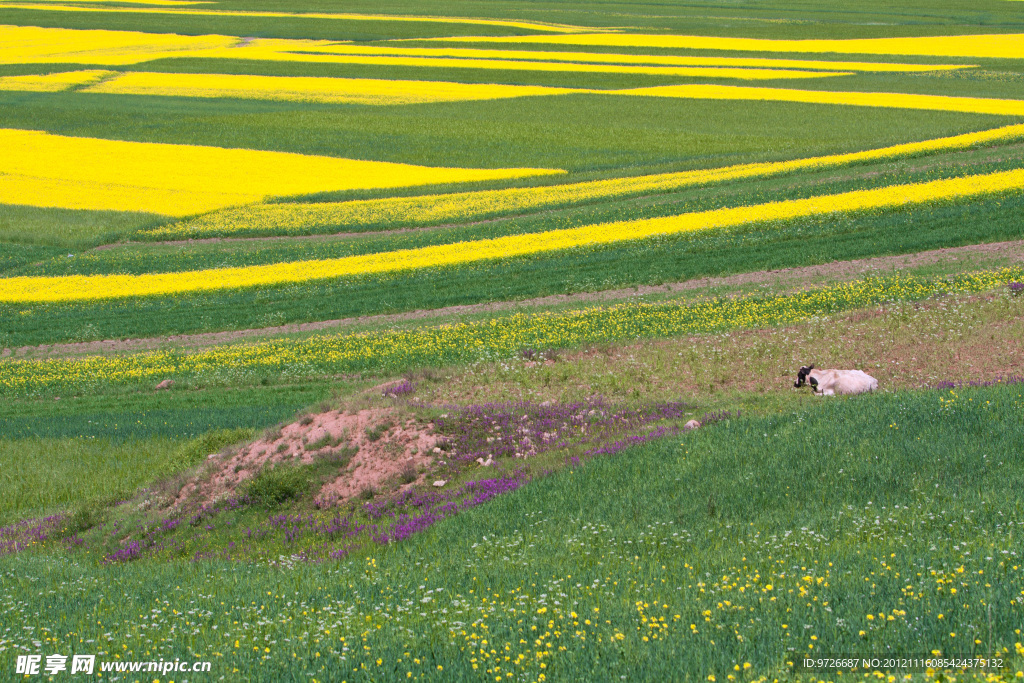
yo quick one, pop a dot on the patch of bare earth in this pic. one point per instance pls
(971, 256)
(373, 448)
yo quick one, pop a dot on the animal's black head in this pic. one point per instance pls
(801, 377)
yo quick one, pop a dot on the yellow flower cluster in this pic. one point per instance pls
(310, 89)
(34, 45)
(617, 58)
(22, 45)
(990, 46)
(392, 350)
(52, 82)
(463, 206)
(972, 105)
(40, 169)
(94, 287)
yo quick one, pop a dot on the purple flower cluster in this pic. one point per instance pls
(998, 381)
(523, 430)
(296, 527)
(206, 512)
(416, 512)
(20, 535)
(1017, 287)
(629, 441)
(717, 416)
(403, 388)
(131, 551)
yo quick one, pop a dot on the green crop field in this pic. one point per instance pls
(456, 341)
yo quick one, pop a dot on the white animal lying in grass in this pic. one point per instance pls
(831, 382)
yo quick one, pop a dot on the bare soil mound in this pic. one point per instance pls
(373, 448)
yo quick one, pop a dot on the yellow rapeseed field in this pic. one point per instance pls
(617, 58)
(34, 45)
(973, 105)
(40, 169)
(286, 218)
(55, 82)
(311, 89)
(94, 287)
(990, 46)
(25, 44)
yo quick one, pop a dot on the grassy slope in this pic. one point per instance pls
(761, 532)
(111, 445)
(904, 346)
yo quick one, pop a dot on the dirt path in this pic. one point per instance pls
(977, 255)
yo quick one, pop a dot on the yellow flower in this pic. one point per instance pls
(42, 169)
(976, 105)
(310, 89)
(987, 46)
(55, 82)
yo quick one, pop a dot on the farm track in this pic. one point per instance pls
(786, 278)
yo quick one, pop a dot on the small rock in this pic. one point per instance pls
(486, 463)
(166, 384)
(436, 449)
(440, 482)
(213, 456)
(692, 424)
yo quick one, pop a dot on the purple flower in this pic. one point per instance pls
(125, 554)
(998, 381)
(20, 535)
(403, 388)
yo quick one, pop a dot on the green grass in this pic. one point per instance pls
(75, 229)
(76, 452)
(86, 471)
(142, 415)
(574, 132)
(797, 243)
(14, 256)
(768, 535)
